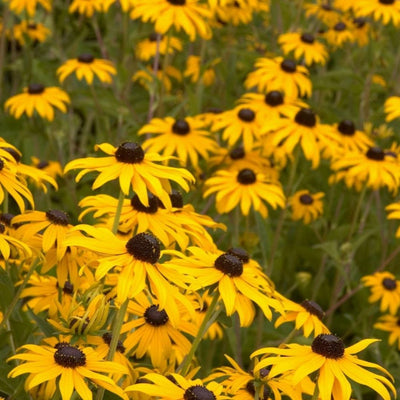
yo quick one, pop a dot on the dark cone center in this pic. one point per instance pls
(375, 153)
(360, 22)
(130, 153)
(155, 317)
(387, 2)
(181, 127)
(68, 288)
(86, 58)
(1, 164)
(306, 199)
(13, 152)
(246, 177)
(307, 38)
(139, 206)
(58, 217)
(240, 253)
(144, 247)
(313, 308)
(32, 26)
(198, 392)
(154, 36)
(389, 284)
(229, 265)
(176, 199)
(274, 98)
(6, 218)
(68, 356)
(346, 127)
(329, 346)
(246, 115)
(2, 228)
(288, 66)
(35, 88)
(306, 117)
(340, 27)
(107, 338)
(42, 164)
(237, 153)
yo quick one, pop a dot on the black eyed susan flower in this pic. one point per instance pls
(195, 71)
(86, 7)
(306, 206)
(234, 13)
(307, 316)
(36, 32)
(323, 11)
(394, 213)
(187, 15)
(176, 387)
(73, 367)
(185, 138)
(386, 11)
(373, 168)
(19, 6)
(391, 324)
(384, 288)
(147, 48)
(50, 167)
(304, 46)
(10, 246)
(146, 77)
(340, 33)
(150, 331)
(280, 74)
(392, 108)
(335, 365)
(134, 169)
(86, 67)
(343, 5)
(361, 31)
(246, 188)
(39, 98)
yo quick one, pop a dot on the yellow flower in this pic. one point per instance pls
(306, 206)
(195, 71)
(361, 31)
(390, 323)
(340, 34)
(334, 362)
(386, 11)
(147, 48)
(35, 31)
(72, 365)
(322, 11)
(12, 247)
(86, 7)
(146, 77)
(394, 213)
(133, 168)
(246, 188)
(19, 6)
(392, 108)
(86, 67)
(384, 288)
(49, 167)
(186, 15)
(39, 98)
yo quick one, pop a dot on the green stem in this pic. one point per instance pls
(118, 212)
(209, 318)
(316, 392)
(357, 212)
(163, 72)
(293, 333)
(200, 82)
(156, 64)
(3, 45)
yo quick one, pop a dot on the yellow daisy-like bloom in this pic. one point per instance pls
(307, 316)
(304, 129)
(184, 389)
(39, 98)
(134, 169)
(12, 247)
(71, 366)
(19, 6)
(335, 365)
(374, 168)
(386, 11)
(147, 48)
(340, 34)
(361, 32)
(303, 46)
(392, 108)
(186, 138)
(384, 288)
(195, 72)
(145, 77)
(87, 67)
(52, 226)
(280, 74)
(35, 31)
(344, 5)
(306, 206)
(246, 188)
(240, 282)
(394, 213)
(149, 330)
(234, 13)
(322, 11)
(390, 323)
(86, 7)
(241, 123)
(186, 15)
(50, 167)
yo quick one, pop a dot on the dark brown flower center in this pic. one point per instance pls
(69, 356)
(346, 127)
(154, 36)
(86, 58)
(42, 164)
(13, 152)
(6, 218)
(246, 115)
(198, 392)
(139, 206)
(155, 317)
(32, 26)
(130, 153)
(329, 346)
(35, 88)
(274, 98)
(68, 288)
(240, 253)
(107, 338)
(1, 164)
(306, 117)
(181, 127)
(389, 284)
(326, 7)
(176, 199)
(177, 2)
(376, 154)
(144, 247)
(229, 265)
(237, 153)
(288, 66)
(313, 308)
(246, 177)
(340, 27)
(57, 217)
(307, 38)
(306, 199)
(2, 228)
(387, 2)
(359, 22)
(203, 308)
